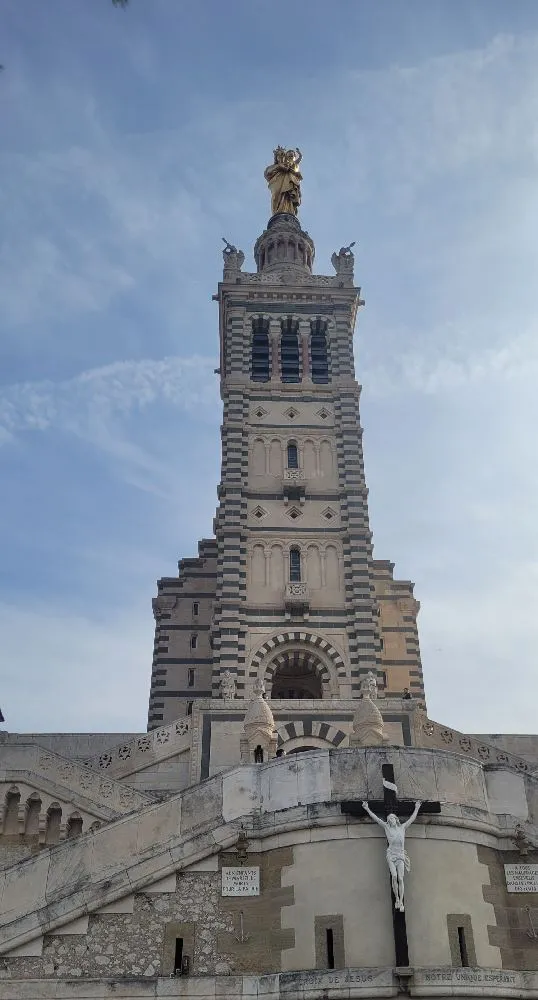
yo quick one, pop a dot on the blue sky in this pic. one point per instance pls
(131, 141)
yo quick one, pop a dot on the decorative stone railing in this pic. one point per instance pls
(294, 485)
(431, 734)
(298, 277)
(297, 598)
(94, 793)
(153, 747)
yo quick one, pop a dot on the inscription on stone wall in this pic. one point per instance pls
(521, 878)
(241, 881)
(468, 976)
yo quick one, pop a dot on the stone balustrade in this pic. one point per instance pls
(297, 598)
(433, 734)
(29, 768)
(157, 745)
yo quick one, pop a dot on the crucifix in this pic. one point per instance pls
(391, 809)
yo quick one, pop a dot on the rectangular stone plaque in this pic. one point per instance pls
(521, 878)
(240, 881)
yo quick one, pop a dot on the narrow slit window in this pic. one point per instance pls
(289, 352)
(295, 566)
(462, 945)
(189, 707)
(190, 677)
(194, 641)
(260, 351)
(195, 609)
(293, 456)
(319, 361)
(178, 955)
(330, 947)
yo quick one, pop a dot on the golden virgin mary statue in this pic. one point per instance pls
(284, 180)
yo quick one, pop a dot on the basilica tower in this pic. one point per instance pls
(288, 592)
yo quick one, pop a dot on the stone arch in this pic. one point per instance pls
(258, 457)
(323, 658)
(291, 735)
(32, 814)
(12, 801)
(53, 828)
(74, 825)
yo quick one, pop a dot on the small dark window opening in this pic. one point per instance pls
(189, 708)
(319, 361)
(293, 456)
(190, 677)
(258, 755)
(289, 351)
(195, 608)
(330, 948)
(178, 955)
(194, 641)
(295, 566)
(381, 643)
(462, 944)
(260, 351)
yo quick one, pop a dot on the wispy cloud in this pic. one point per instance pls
(120, 181)
(453, 361)
(81, 404)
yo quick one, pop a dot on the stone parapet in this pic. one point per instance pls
(143, 751)
(341, 984)
(289, 794)
(432, 734)
(99, 795)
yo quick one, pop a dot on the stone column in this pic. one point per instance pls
(275, 331)
(304, 333)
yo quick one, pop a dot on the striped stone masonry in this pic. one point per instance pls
(301, 391)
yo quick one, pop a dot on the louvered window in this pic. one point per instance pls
(289, 351)
(319, 362)
(260, 351)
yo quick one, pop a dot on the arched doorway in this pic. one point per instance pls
(296, 676)
(301, 662)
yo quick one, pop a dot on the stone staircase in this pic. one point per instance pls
(78, 877)
(31, 772)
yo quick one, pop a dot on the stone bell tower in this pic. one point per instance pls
(288, 594)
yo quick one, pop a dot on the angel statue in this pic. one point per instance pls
(227, 686)
(284, 180)
(397, 857)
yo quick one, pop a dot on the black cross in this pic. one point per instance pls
(400, 807)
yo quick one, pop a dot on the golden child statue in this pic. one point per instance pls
(284, 180)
